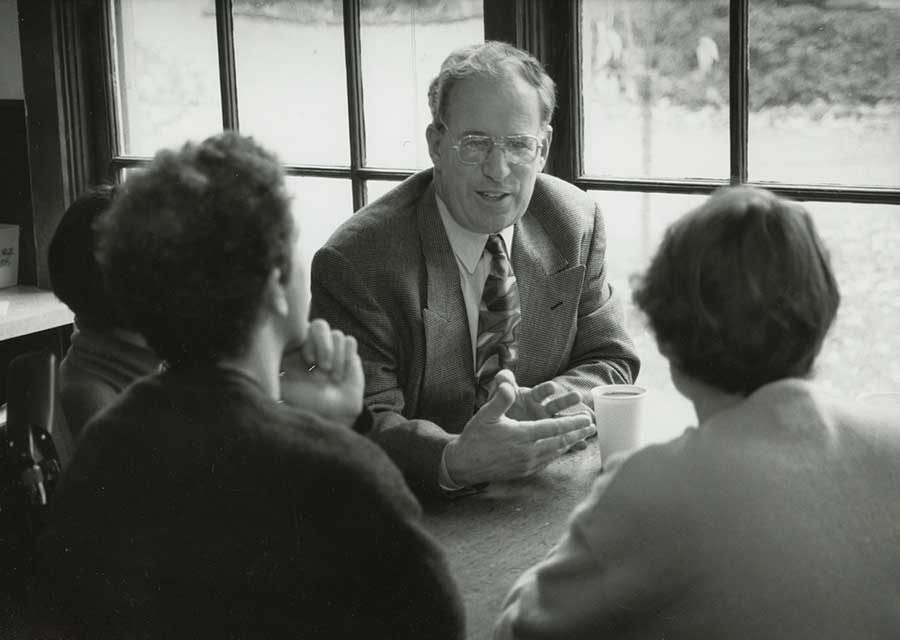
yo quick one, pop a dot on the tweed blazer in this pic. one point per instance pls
(389, 277)
(776, 518)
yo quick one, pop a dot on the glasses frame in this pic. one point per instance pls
(496, 141)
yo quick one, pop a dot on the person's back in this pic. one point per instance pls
(228, 497)
(104, 356)
(198, 507)
(777, 518)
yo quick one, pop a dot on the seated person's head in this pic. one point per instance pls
(195, 243)
(74, 273)
(740, 292)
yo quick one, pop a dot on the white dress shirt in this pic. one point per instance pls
(473, 263)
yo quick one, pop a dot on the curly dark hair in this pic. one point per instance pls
(740, 292)
(75, 276)
(190, 241)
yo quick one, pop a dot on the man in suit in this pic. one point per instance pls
(478, 281)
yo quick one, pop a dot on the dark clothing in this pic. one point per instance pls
(198, 507)
(98, 366)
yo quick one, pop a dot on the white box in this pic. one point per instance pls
(9, 255)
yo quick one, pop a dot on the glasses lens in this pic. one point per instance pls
(520, 149)
(474, 149)
(516, 149)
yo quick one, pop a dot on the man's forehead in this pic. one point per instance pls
(493, 106)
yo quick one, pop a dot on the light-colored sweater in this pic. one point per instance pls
(776, 518)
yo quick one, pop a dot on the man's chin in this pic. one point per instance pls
(496, 220)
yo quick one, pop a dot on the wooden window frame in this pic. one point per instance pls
(564, 62)
(69, 83)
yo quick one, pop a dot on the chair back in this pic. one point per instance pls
(35, 448)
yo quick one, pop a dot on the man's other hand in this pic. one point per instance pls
(324, 375)
(494, 446)
(546, 400)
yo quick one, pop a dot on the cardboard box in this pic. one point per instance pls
(9, 255)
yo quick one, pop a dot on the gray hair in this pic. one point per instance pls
(493, 59)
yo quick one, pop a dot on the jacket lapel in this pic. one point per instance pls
(448, 378)
(549, 292)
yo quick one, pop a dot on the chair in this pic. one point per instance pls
(35, 448)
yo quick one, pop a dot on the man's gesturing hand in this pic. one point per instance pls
(546, 400)
(494, 446)
(324, 375)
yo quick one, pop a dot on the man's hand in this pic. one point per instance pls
(546, 400)
(493, 446)
(324, 375)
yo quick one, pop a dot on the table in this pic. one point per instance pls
(25, 310)
(490, 538)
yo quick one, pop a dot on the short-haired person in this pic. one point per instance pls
(778, 516)
(197, 505)
(106, 354)
(478, 266)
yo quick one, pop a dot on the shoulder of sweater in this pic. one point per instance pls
(338, 452)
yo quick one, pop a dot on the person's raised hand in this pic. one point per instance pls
(494, 446)
(324, 375)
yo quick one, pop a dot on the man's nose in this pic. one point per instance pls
(495, 166)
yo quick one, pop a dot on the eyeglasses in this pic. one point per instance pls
(474, 149)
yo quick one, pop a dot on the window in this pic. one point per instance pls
(660, 103)
(664, 111)
(298, 75)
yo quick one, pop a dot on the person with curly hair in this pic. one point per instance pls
(105, 354)
(201, 505)
(776, 517)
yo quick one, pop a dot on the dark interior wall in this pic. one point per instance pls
(15, 208)
(15, 187)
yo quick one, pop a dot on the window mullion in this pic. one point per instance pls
(738, 87)
(227, 69)
(355, 112)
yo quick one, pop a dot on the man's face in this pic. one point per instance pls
(489, 197)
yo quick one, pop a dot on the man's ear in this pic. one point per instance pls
(545, 149)
(276, 293)
(434, 136)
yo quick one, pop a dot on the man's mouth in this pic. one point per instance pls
(492, 196)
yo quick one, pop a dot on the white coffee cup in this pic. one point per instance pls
(619, 409)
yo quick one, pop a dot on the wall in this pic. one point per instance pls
(10, 53)
(15, 191)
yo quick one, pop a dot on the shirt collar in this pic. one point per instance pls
(469, 245)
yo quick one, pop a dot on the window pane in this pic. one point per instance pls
(862, 352)
(168, 73)
(320, 205)
(291, 78)
(635, 223)
(859, 354)
(655, 88)
(825, 92)
(377, 188)
(403, 45)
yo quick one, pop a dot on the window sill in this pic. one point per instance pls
(25, 310)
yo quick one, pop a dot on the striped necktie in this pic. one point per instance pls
(498, 321)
